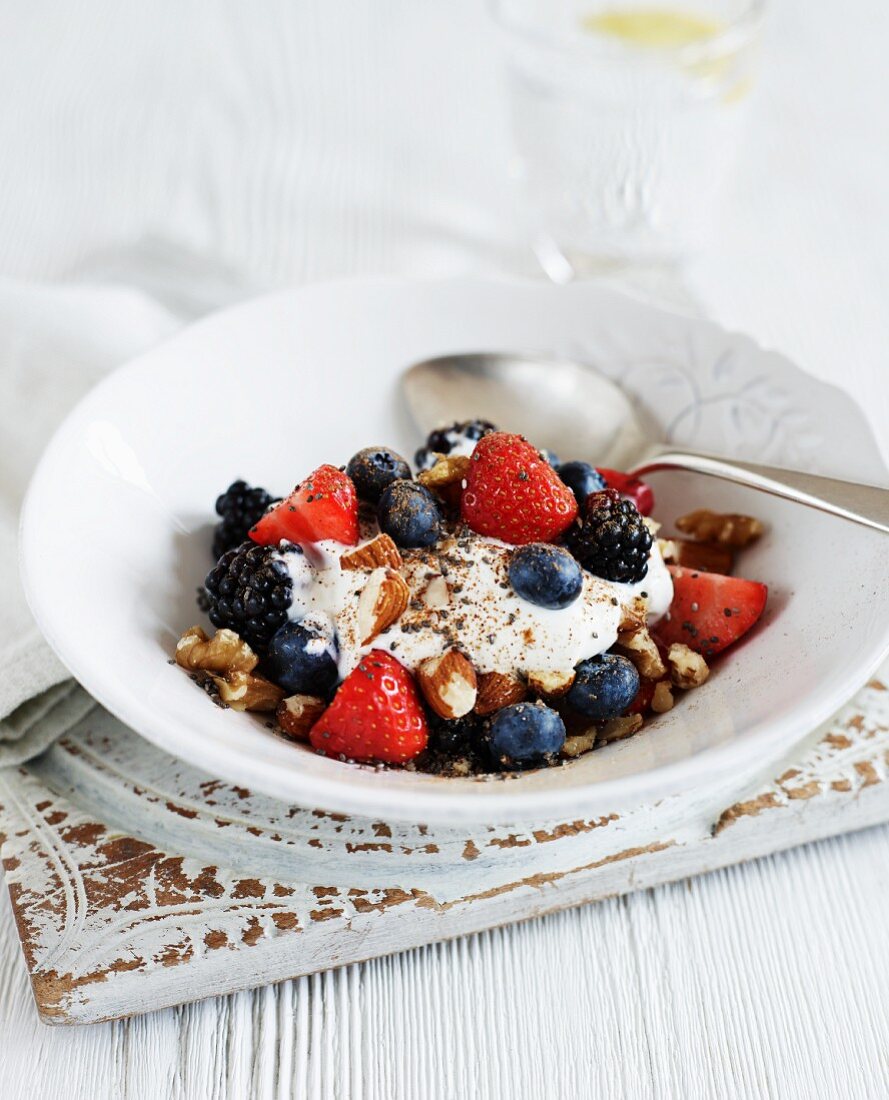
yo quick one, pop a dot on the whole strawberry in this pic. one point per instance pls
(376, 714)
(513, 494)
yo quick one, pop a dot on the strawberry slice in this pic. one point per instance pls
(639, 492)
(513, 494)
(709, 611)
(324, 506)
(376, 714)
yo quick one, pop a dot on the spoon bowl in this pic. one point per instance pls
(578, 413)
(565, 406)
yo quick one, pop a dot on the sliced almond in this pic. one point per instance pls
(551, 682)
(687, 668)
(496, 690)
(382, 601)
(224, 652)
(448, 683)
(641, 649)
(298, 713)
(436, 595)
(379, 552)
(248, 691)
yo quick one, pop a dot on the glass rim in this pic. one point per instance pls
(738, 30)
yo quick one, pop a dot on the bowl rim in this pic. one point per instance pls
(499, 805)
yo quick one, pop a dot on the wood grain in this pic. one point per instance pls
(183, 886)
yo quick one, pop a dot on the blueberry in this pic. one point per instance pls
(551, 457)
(373, 468)
(409, 514)
(581, 478)
(525, 735)
(604, 686)
(301, 659)
(545, 575)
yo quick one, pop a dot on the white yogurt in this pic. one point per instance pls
(461, 596)
(459, 444)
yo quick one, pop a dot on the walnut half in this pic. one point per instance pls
(729, 529)
(229, 662)
(616, 729)
(224, 652)
(687, 668)
(642, 650)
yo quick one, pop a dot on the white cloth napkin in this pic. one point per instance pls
(56, 341)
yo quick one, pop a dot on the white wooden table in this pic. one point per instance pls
(295, 141)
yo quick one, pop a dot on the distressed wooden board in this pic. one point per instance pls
(138, 882)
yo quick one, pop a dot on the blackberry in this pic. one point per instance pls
(454, 736)
(611, 539)
(456, 747)
(240, 507)
(249, 591)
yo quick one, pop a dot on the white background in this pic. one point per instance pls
(291, 141)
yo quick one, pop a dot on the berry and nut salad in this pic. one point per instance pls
(499, 610)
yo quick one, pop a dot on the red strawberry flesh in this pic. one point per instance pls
(513, 494)
(323, 506)
(639, 492)
(709, 611)
(376, 714)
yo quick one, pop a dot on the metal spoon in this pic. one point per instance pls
(576, 411)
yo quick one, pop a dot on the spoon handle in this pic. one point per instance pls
(865, 504)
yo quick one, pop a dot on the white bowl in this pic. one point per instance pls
(116, 526)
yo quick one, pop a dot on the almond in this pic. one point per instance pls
(551, 682)
(298, 713)
(380, 551)
(382, 601)
(448, 684)
(496, 690)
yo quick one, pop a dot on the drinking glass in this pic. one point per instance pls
(626, 121)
